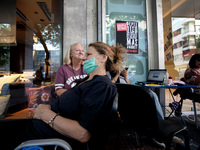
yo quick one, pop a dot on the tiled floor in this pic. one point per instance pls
(127, 141)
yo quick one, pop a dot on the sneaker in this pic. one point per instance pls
(177, 140)
(160, 144)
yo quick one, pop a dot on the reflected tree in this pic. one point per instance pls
(198, 42)
(4, 48)
(4, 55)
(48, 32)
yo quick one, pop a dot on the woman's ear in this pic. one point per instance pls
(105, 57)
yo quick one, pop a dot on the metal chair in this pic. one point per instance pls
(187, 94)
(44, 142)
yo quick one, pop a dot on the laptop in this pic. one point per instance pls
(155, 76)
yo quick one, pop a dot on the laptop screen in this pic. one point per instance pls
(156, 75)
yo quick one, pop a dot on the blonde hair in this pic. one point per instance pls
(67, 60)
(116, 55)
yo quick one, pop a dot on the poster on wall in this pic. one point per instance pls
(127, 35)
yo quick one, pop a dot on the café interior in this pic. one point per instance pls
(31, 33)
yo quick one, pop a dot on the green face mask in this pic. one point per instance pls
(89, 65)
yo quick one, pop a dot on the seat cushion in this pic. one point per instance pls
(4, 99)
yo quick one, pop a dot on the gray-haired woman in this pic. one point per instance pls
(72, 71)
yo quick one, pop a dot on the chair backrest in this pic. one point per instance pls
(35, 144)
(136, 106)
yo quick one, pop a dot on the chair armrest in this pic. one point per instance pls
(45, 142)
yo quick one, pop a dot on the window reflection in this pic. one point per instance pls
(38, 38)
(30, 50)
(30, 45)
(181, 19)
(47, 47)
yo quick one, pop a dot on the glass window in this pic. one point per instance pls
(133, 13)
(31, 39)
(30, 50)
(182, 19)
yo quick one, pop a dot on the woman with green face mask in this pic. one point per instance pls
(100, 59)
(82, 113)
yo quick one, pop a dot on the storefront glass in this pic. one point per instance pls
(30, 52)
(131, 15)
(181, 23)
(30, 39)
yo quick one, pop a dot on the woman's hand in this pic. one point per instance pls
(62, 125)
(124, 73)
(43, 111)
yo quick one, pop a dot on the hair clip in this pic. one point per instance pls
(107, 50)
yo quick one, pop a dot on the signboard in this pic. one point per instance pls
(127, 35)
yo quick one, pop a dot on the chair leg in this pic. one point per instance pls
(179, 109)
(137, 140)
(195, 114)
(181, 103)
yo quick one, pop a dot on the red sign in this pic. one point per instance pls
(132, 51)
(121, 27)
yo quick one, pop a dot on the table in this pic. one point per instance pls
(167, 86)
(161, 93)
(162, 99)
(22, 114)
